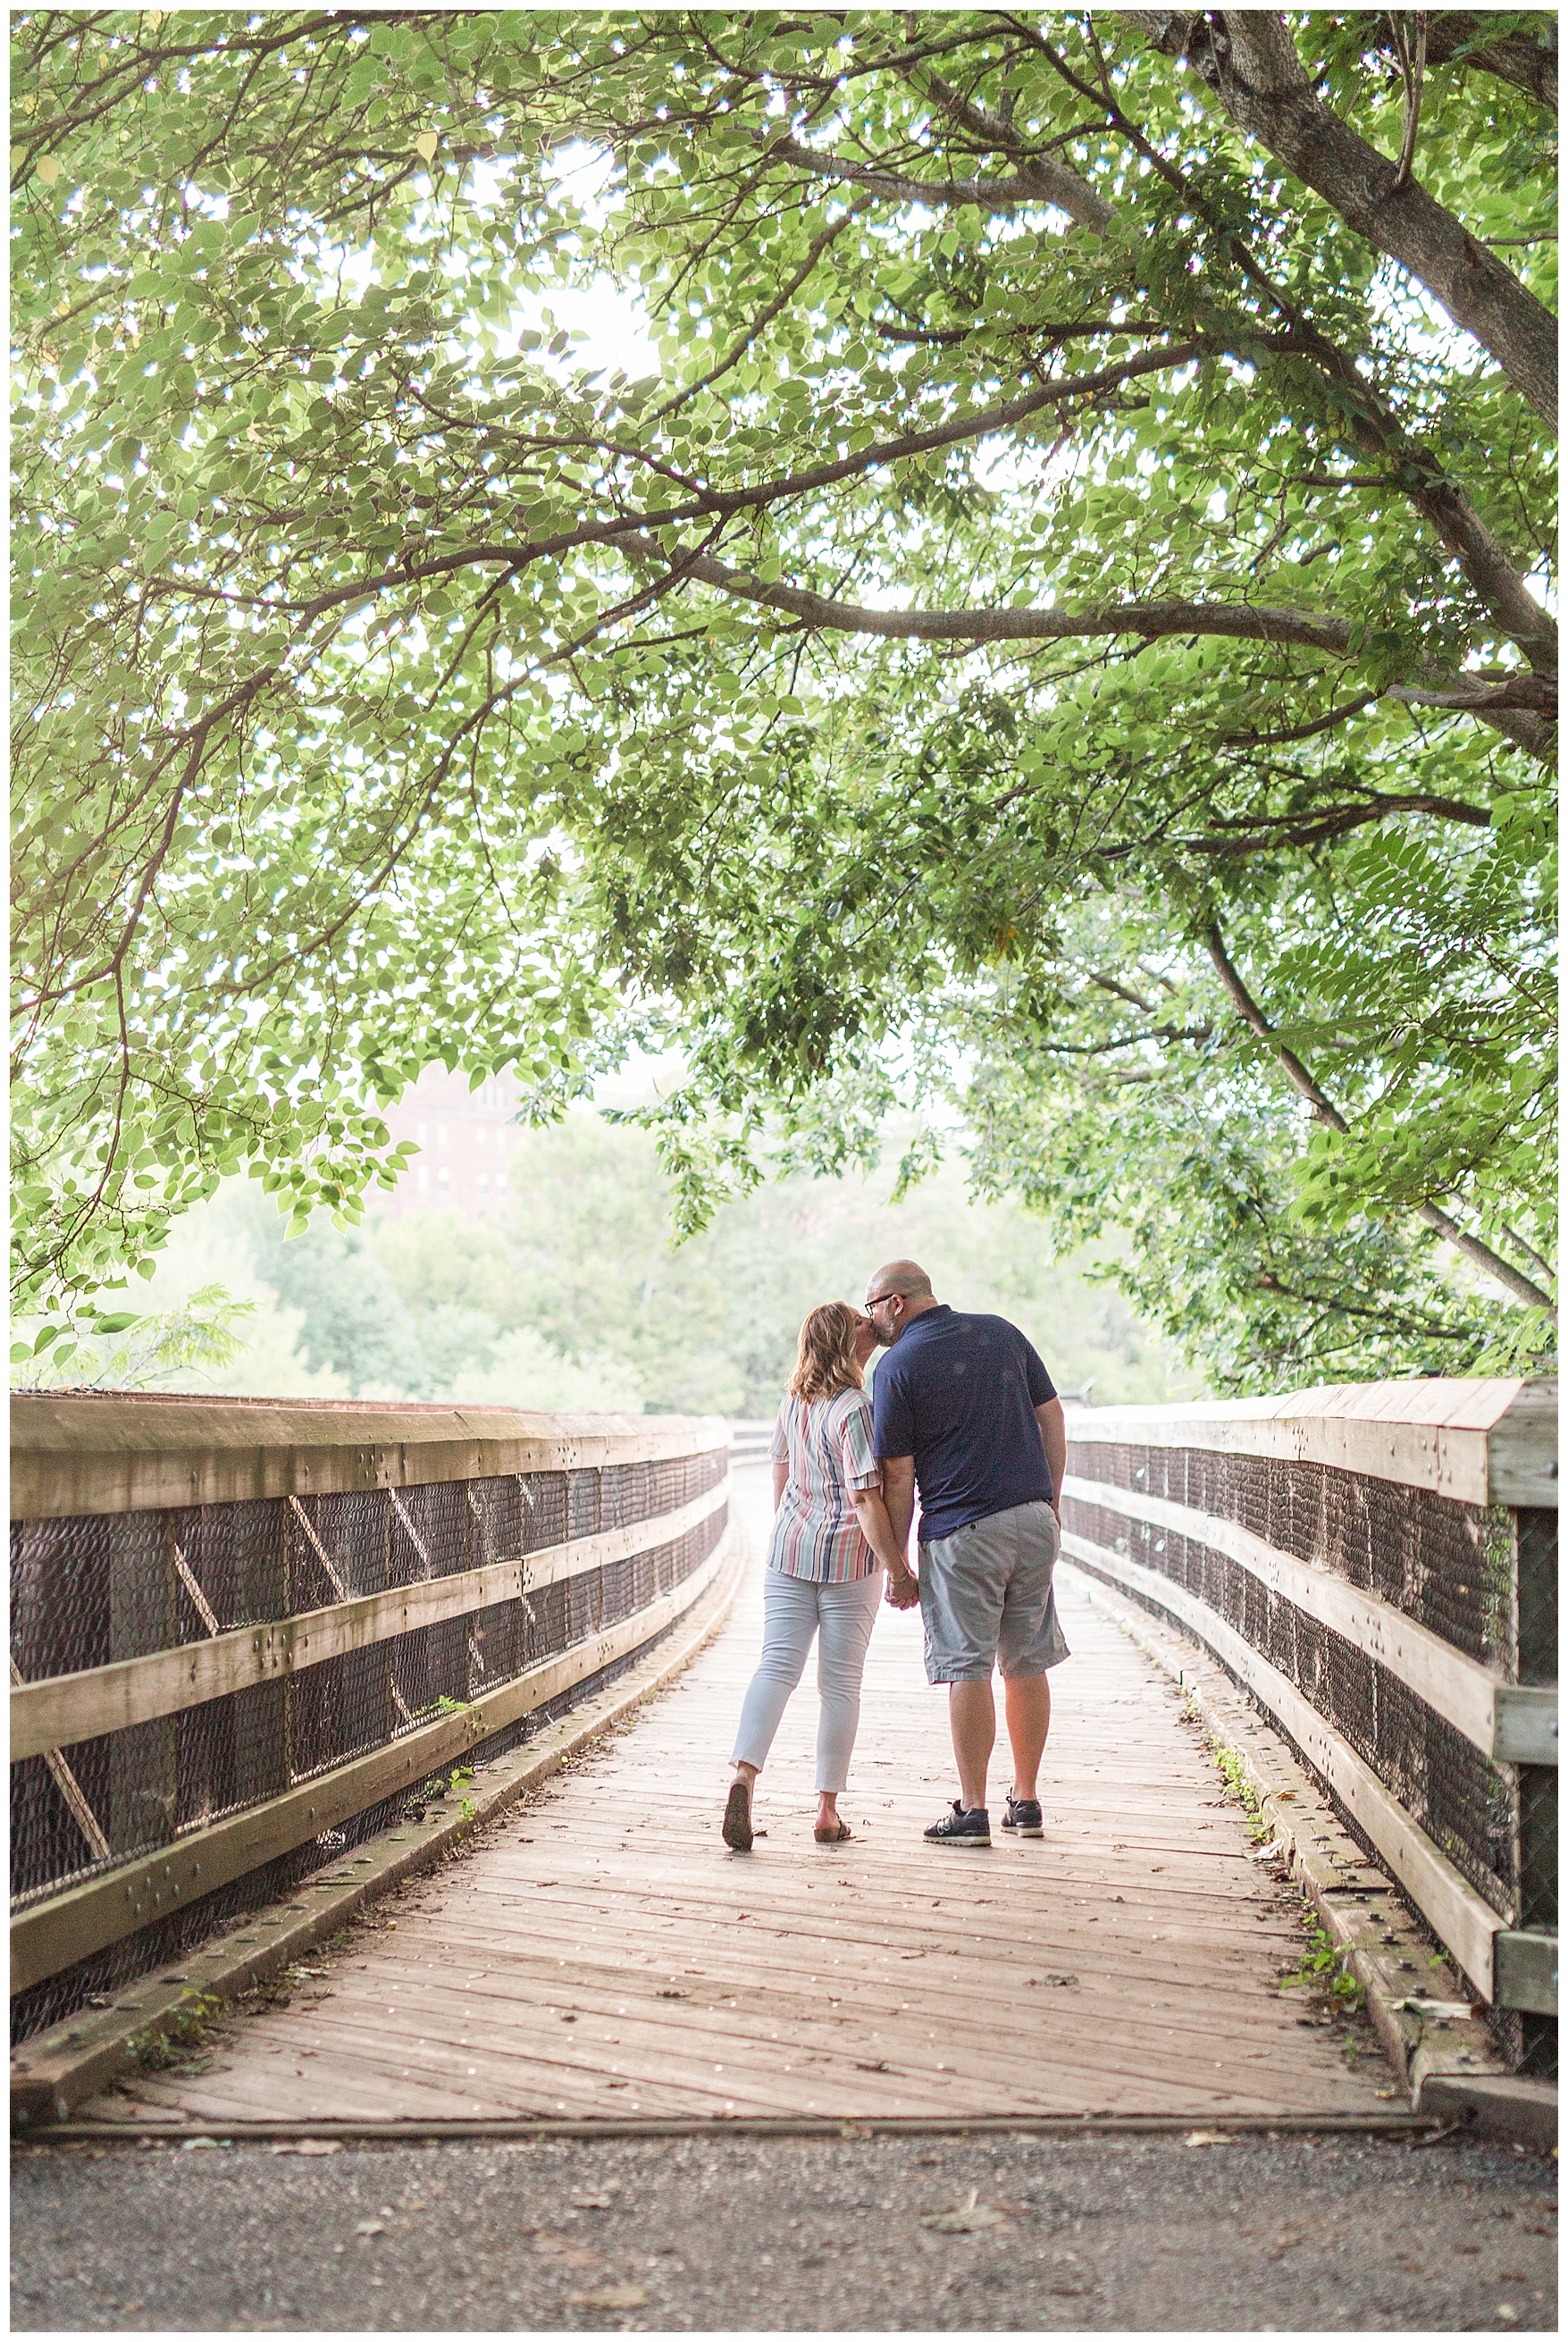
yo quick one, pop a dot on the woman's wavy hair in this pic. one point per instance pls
(825, 1363)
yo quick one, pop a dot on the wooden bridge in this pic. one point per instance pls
(366, 1767)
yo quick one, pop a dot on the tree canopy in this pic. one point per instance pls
(1064, 626)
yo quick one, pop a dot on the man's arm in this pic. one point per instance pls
(1053, 1425)
(898, 1501)
(870, 1512)
(898, 1492)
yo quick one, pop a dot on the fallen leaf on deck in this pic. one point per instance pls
(370, 2227)
(1209, 2138)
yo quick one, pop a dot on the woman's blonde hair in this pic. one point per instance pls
(825, 1363)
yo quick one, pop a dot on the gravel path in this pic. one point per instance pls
(1150, 2236)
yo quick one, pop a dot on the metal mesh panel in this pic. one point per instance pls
(1449, 1567)
(1537, 1600)
(1483, 1578)
(1538, 1846)
(1465, 1804)
(87, 1591)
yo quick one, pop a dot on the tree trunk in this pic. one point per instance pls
(1249, 60)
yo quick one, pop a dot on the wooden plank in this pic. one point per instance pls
(57, 1711)
(1461, 1690)
(1440, 1434)
(1522, 1449)
(76, 1805)
(74, 1455)
(1526, 1963)
(1525, 1724)
(651, 2053)
(615, 1890)
(47, 1937)
(1466, 1924)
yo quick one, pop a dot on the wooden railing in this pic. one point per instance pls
(244, 1632)
(1376, 1564)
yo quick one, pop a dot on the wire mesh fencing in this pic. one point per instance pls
(91, 1591)
(1482, 1578)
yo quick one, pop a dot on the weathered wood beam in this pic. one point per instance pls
(138, 1451)
(58, 1711)
(53, 1935)
(1463, 1920)
(1477, 1440)
(1513, 1723)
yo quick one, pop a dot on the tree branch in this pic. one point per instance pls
(1493, 576)
(1525, 63)
(1248, 59)
(1512, 708)
(903, 188)
(1048, 180)
(786, 292)
(1519, 1286)
(1153, 621)
(1241, 621)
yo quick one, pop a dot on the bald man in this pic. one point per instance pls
(965, 1413)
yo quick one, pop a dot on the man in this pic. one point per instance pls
(964, 1411)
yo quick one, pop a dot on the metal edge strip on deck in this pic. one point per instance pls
(59, 1711)
(53, 1934)
(1516, 1723)
(1396, 2123)
(1466, 1924)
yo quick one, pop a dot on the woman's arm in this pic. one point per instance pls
(877, 1528)
(780, 1482)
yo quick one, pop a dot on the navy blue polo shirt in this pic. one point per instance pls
(958, 1392)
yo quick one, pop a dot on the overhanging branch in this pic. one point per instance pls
(1247, 58)
(1242, 622)
(1513, 1283)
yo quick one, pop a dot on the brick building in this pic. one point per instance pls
(465, 1139)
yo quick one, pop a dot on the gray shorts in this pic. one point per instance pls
(986, 1597)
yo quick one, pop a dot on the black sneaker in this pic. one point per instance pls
(961, 1828)
(1024, 1816)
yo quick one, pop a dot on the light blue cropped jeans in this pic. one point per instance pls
(795, 1610)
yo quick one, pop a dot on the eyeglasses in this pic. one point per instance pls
(876, 1300)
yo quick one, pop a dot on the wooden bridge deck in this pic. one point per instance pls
(602, 1953)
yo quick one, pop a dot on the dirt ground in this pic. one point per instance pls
(1146, 2235)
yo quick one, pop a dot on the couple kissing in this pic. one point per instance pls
(963, 1414)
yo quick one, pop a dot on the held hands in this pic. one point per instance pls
(903, 1589)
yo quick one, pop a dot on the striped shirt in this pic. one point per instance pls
(826, 1445)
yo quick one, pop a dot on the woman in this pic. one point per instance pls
(832, 1536)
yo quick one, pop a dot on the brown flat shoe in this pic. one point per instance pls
(737, 1825)
(835, 1837)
